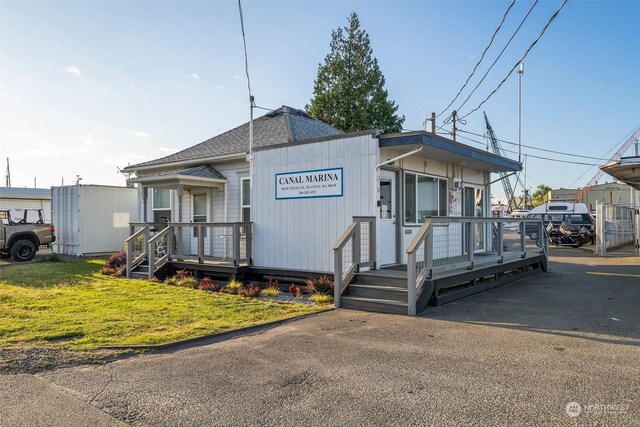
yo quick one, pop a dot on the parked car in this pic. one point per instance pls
(20, 238)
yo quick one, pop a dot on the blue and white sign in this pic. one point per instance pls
(309, 184)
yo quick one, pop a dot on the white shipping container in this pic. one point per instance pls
(92, 219)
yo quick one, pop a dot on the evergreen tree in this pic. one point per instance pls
(349, 91)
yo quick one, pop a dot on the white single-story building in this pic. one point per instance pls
(310, 183)
(18, 199)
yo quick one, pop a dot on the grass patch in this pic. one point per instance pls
(69, 304)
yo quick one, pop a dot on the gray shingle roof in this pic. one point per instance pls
(280, 126)
(202, 171)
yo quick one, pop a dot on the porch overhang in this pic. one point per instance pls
(198, 176)
(447, 151)
(626, 170)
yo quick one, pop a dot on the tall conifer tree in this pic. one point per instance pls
(349, 91)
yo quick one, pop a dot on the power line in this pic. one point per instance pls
(540, 149)
(499, 55)
(531, 155)
(244, 42)
(481, 58)
(553, 17)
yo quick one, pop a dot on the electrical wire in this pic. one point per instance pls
(551, 19)
(246, 57)
(480, 60)
(530, 155)
(540, 149)
(605, 156)
(499, 55)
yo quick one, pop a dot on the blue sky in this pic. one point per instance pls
(89, 86)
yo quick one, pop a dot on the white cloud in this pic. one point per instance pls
(238, 77)
(218, 87)
(138, 134)
(72, 69)
(194, 76)
(472, 57)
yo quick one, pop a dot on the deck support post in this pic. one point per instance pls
(337, 278)
(145, 198)
(200, 244)
(236, 244)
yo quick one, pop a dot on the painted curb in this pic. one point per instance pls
(214, 337)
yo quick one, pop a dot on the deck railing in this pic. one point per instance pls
(419, 263)
(136, 245)
(222, 243)
(445, 243)
(355, 249)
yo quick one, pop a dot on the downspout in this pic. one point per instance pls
(378, 166)
(375, 189)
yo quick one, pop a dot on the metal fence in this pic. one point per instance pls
(222, 243)
(446, 243)
(617, 229)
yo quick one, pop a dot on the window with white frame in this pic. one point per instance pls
(161, 205)
(199, 210)
(424, 196)
(245, 199)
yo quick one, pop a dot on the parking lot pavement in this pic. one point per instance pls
(515, 355)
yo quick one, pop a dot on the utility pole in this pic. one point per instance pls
(520, 73)
(433, 123)
(525, 182)
(454, 117)
(7, 177)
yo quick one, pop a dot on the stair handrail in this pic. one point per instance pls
(340, 279)
(154, 264)
(129, 242)
(415, 280)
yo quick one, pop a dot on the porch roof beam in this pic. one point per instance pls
(447, 151)
(172, 181)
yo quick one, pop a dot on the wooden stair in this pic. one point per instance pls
(377, 291)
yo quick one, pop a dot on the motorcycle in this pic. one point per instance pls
(567, 234)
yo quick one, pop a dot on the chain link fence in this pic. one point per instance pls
(617, 229)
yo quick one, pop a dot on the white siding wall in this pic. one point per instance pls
(298, 234)
(233, 171)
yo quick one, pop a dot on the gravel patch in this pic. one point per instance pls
(30, 360)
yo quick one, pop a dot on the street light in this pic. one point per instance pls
(520, 73)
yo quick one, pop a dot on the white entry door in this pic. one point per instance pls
(387, 216)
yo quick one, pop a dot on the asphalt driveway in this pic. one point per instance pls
(516, 355)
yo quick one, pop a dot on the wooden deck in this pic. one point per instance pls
(385, 289)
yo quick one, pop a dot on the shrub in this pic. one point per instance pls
(171, 281)
(271, 291)
(321, 285)
(295, 291)
(324, 285)
(233, 287)
(183, 274)
(187, 282)
(273, 283)
(206, 284)
(309, 285)
(321, 299)
(115, 265)
(252, 291)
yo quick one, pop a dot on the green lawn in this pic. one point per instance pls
(46, 303)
